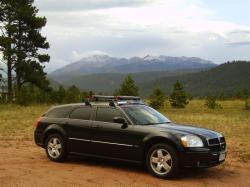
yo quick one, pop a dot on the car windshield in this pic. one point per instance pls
(144, 115)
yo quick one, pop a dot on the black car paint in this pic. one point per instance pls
(112, 140)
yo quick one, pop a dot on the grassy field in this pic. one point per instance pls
(17, 123)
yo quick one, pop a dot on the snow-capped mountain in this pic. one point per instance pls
(106, 64)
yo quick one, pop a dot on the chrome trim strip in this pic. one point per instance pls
(111, 143)
(85, 140)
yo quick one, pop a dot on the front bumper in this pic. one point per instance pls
(201, 158)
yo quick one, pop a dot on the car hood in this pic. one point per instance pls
(187, 129)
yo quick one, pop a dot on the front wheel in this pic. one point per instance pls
(162, 161)
(55, 148)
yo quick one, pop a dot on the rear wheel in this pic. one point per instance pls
(162, 161)
(55, 148)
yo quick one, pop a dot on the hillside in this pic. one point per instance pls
(54, 84)
(226, 78)
(108, 82)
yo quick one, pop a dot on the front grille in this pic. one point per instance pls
(217, 144)
(214, 141)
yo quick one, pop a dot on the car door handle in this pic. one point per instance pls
(97, 127)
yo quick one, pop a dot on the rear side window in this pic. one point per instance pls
(62, 112)
(81, 113)
(107, 114)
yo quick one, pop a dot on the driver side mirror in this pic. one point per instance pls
(120, 120)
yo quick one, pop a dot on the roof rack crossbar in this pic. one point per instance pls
(114, 98)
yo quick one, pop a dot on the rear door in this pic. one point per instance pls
(80, 130)
(112, 139)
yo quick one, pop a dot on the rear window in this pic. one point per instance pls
(81, 113)
(62, 112)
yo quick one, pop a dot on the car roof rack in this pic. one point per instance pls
(115, 100)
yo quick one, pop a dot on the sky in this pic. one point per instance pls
(216, 30)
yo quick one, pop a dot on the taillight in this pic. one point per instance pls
(38, 121)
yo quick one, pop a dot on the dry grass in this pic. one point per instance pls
(17, 123)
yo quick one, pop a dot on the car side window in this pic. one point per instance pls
(59, 112)
(81, 113)
(106, 114)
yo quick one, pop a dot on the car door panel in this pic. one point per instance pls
(112, 140)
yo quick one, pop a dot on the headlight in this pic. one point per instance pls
(191, 141)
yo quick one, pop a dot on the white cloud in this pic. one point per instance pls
(136, 27)
(73, 5)
(78, 55)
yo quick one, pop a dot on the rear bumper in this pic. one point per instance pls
(38, 138)
(201, 158)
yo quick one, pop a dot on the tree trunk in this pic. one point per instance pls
(18, 77)
(9, 70)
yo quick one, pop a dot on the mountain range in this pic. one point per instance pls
(102, 73)
(106, 64)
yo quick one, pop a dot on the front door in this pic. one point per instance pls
(113, 139)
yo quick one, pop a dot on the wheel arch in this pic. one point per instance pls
(53, 129)
(156, 140)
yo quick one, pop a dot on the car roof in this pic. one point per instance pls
(92, 104)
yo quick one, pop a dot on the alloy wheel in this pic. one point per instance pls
(54, 147)
(161, 161)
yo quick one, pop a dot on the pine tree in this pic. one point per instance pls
(58, 96)
(20, 41)
(128, 87)
(178, 98)
(61, 93)
(73, 95)
(6, 18)
(157, 98)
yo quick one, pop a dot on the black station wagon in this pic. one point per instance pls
(126, 129)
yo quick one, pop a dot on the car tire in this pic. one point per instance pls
(55, 148)
(162, 161)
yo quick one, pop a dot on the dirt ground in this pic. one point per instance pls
(25, 164)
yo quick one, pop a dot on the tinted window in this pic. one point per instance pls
(107, 114)
(81, 113)
(61, 112)
(145, 115)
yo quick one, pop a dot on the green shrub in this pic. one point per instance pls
(211, 103)
(156, 100)
(247, 104)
